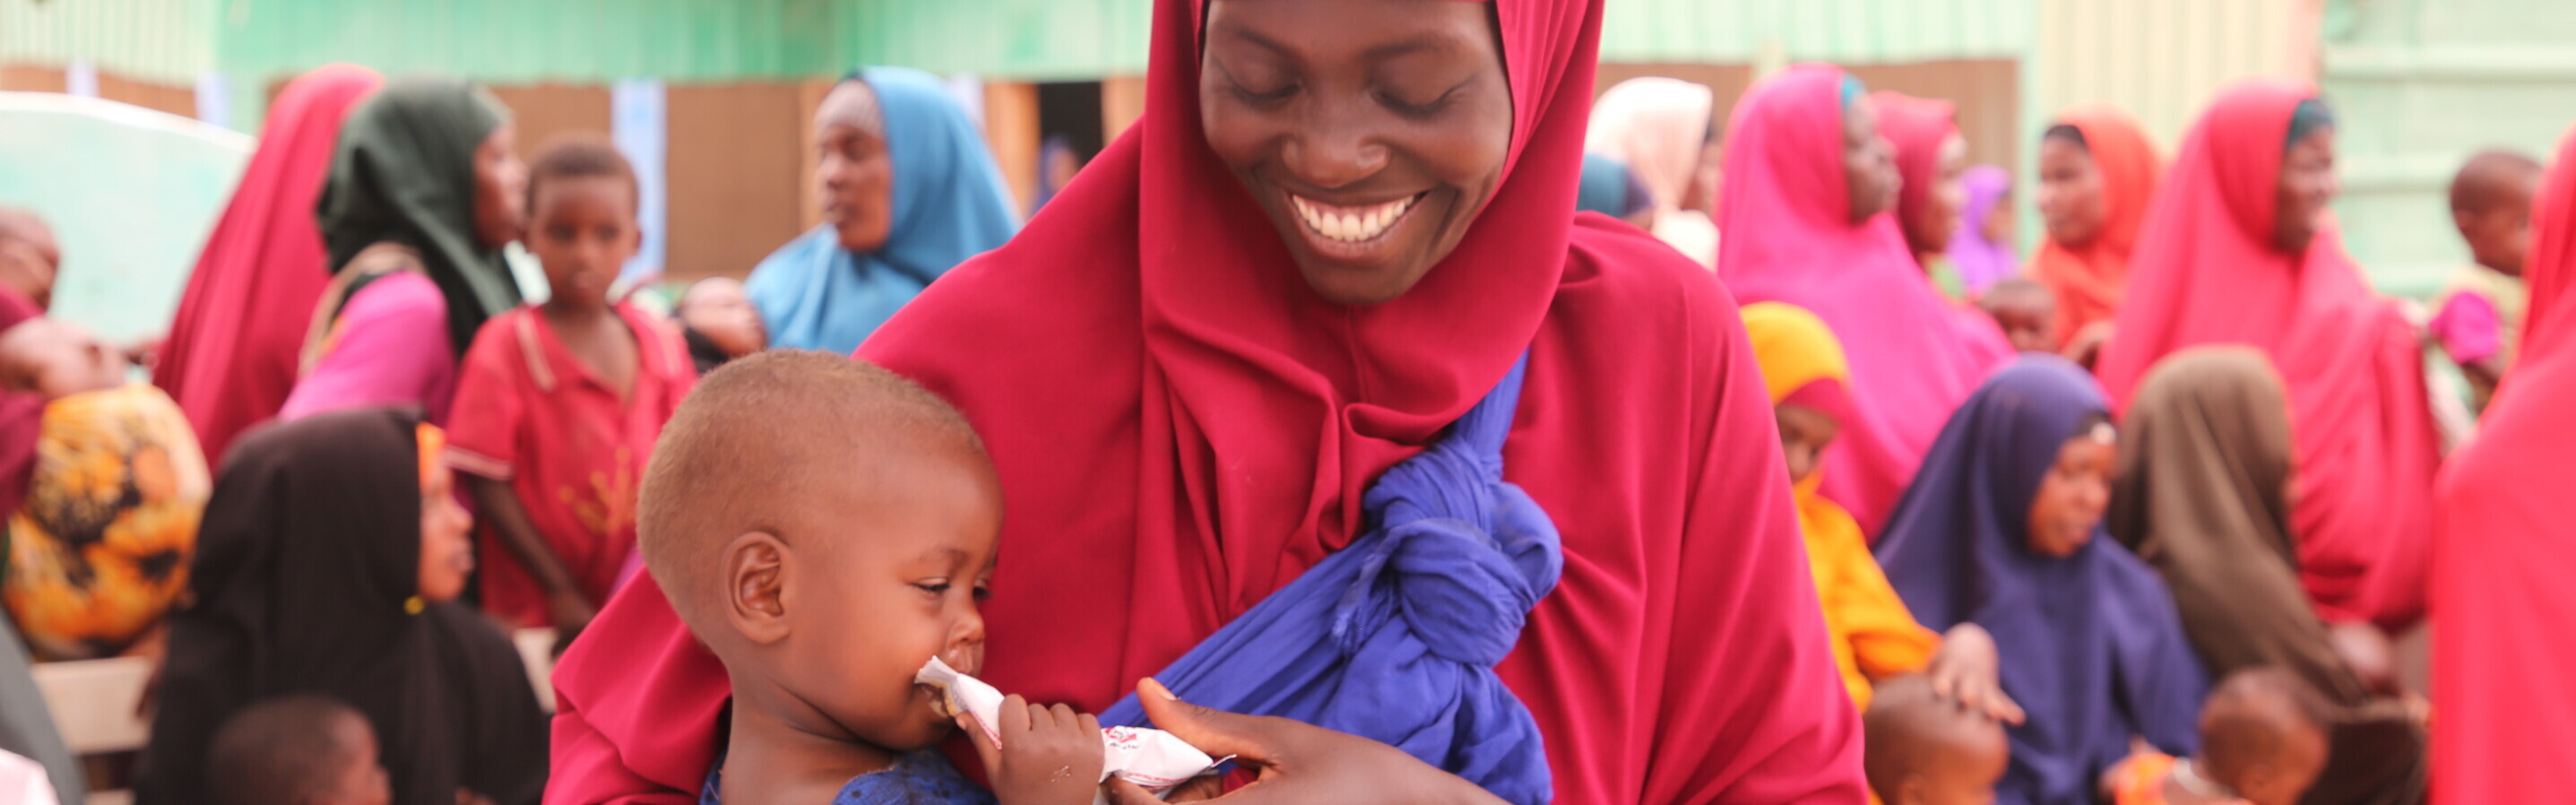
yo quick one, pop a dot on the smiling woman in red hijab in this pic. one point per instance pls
(1810, 186)
(1336, 228)
(2238, 251)
(2499, 584)
(231, 356)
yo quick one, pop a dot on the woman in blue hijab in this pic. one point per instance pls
(2003, 527)
(909, 191)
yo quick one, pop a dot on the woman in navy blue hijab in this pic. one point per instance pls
(2003, 527)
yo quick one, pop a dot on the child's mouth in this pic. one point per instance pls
(938, 700)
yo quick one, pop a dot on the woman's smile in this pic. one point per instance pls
(1352, 233)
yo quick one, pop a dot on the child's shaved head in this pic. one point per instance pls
(2263, 733)
(757, 438)
(296, 750)
(1922, 750)
(2491, 205)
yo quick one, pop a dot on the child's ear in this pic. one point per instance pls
(756, 567)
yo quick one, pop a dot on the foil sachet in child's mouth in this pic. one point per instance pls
(1150, 758)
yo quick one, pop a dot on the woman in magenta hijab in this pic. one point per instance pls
(1810, 186)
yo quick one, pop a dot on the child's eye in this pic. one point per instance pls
(933, 588)
(983, 591)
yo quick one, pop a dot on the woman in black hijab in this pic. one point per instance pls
(328, 558)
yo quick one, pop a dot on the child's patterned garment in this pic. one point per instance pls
(916, 778)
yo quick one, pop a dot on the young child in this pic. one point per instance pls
(296, 750)
(2026, 311)
(2262, 742)
(113, 485)
(826, 527)
(557, 405)
(719, 322)
(1923, 750)
(2478, 317)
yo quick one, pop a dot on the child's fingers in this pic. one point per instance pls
(1090, 723)
(1122, 792)
(1063, 717)
(1015, 715)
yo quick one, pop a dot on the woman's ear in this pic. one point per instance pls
(756, 567)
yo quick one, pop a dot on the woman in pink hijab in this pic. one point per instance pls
(1809, 194)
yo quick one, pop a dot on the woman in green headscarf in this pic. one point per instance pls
(423, 192)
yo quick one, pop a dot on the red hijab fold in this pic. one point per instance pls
(1181, 426)
(2205, 272)
(2499, 586)
(2089, 279)
(231, 355)
(1786, 212)
(1917, 127)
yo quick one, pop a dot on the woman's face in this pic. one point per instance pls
(2073, 495)
(446, 555)
(1804, 434)
(500, 189)
(853, 172)
(1869, 163)
(2307, 184)
(1998, 226)
(1369, 131)
(2070, 192)
(1948, 200)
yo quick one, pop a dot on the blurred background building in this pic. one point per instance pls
(711, 97)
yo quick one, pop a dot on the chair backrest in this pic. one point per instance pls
(95, 701)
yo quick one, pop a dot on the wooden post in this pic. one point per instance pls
(1011, 129)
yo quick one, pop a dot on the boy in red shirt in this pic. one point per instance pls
(558, 404)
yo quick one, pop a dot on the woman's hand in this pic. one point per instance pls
(1296, 762)
(1966, 670)
(1046, 755)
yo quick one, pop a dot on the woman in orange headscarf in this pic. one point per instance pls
(2097, 176)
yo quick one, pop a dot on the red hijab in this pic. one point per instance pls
(22, 417)
(2088, 280)
(230, 359)
(1181, 426)
(1786, 212)
(1917, 127)
(2499, 585)
(2205, 272)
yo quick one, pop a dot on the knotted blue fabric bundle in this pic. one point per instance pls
(1395, 636)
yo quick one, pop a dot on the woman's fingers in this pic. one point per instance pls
(1215, 732)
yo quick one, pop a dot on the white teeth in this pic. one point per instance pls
(1348, 224)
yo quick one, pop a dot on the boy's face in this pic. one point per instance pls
(1804, 434)
(361, 779)
(2029, 323)
(895, 555)
(2284, 777)
(2499, 235)
(583, 232)
(1968, 774)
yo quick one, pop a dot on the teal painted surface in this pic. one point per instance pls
(1857, 31)
(130, 194)
(2421, 84)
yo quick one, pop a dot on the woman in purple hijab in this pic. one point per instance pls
(1982, 252)
(2003, 528)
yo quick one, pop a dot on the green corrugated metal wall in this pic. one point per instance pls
(2420, 85)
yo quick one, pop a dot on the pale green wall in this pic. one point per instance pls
(2420, 85)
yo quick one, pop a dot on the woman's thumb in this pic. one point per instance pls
(1215, 732)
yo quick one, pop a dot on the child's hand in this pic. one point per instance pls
(1047, 754)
